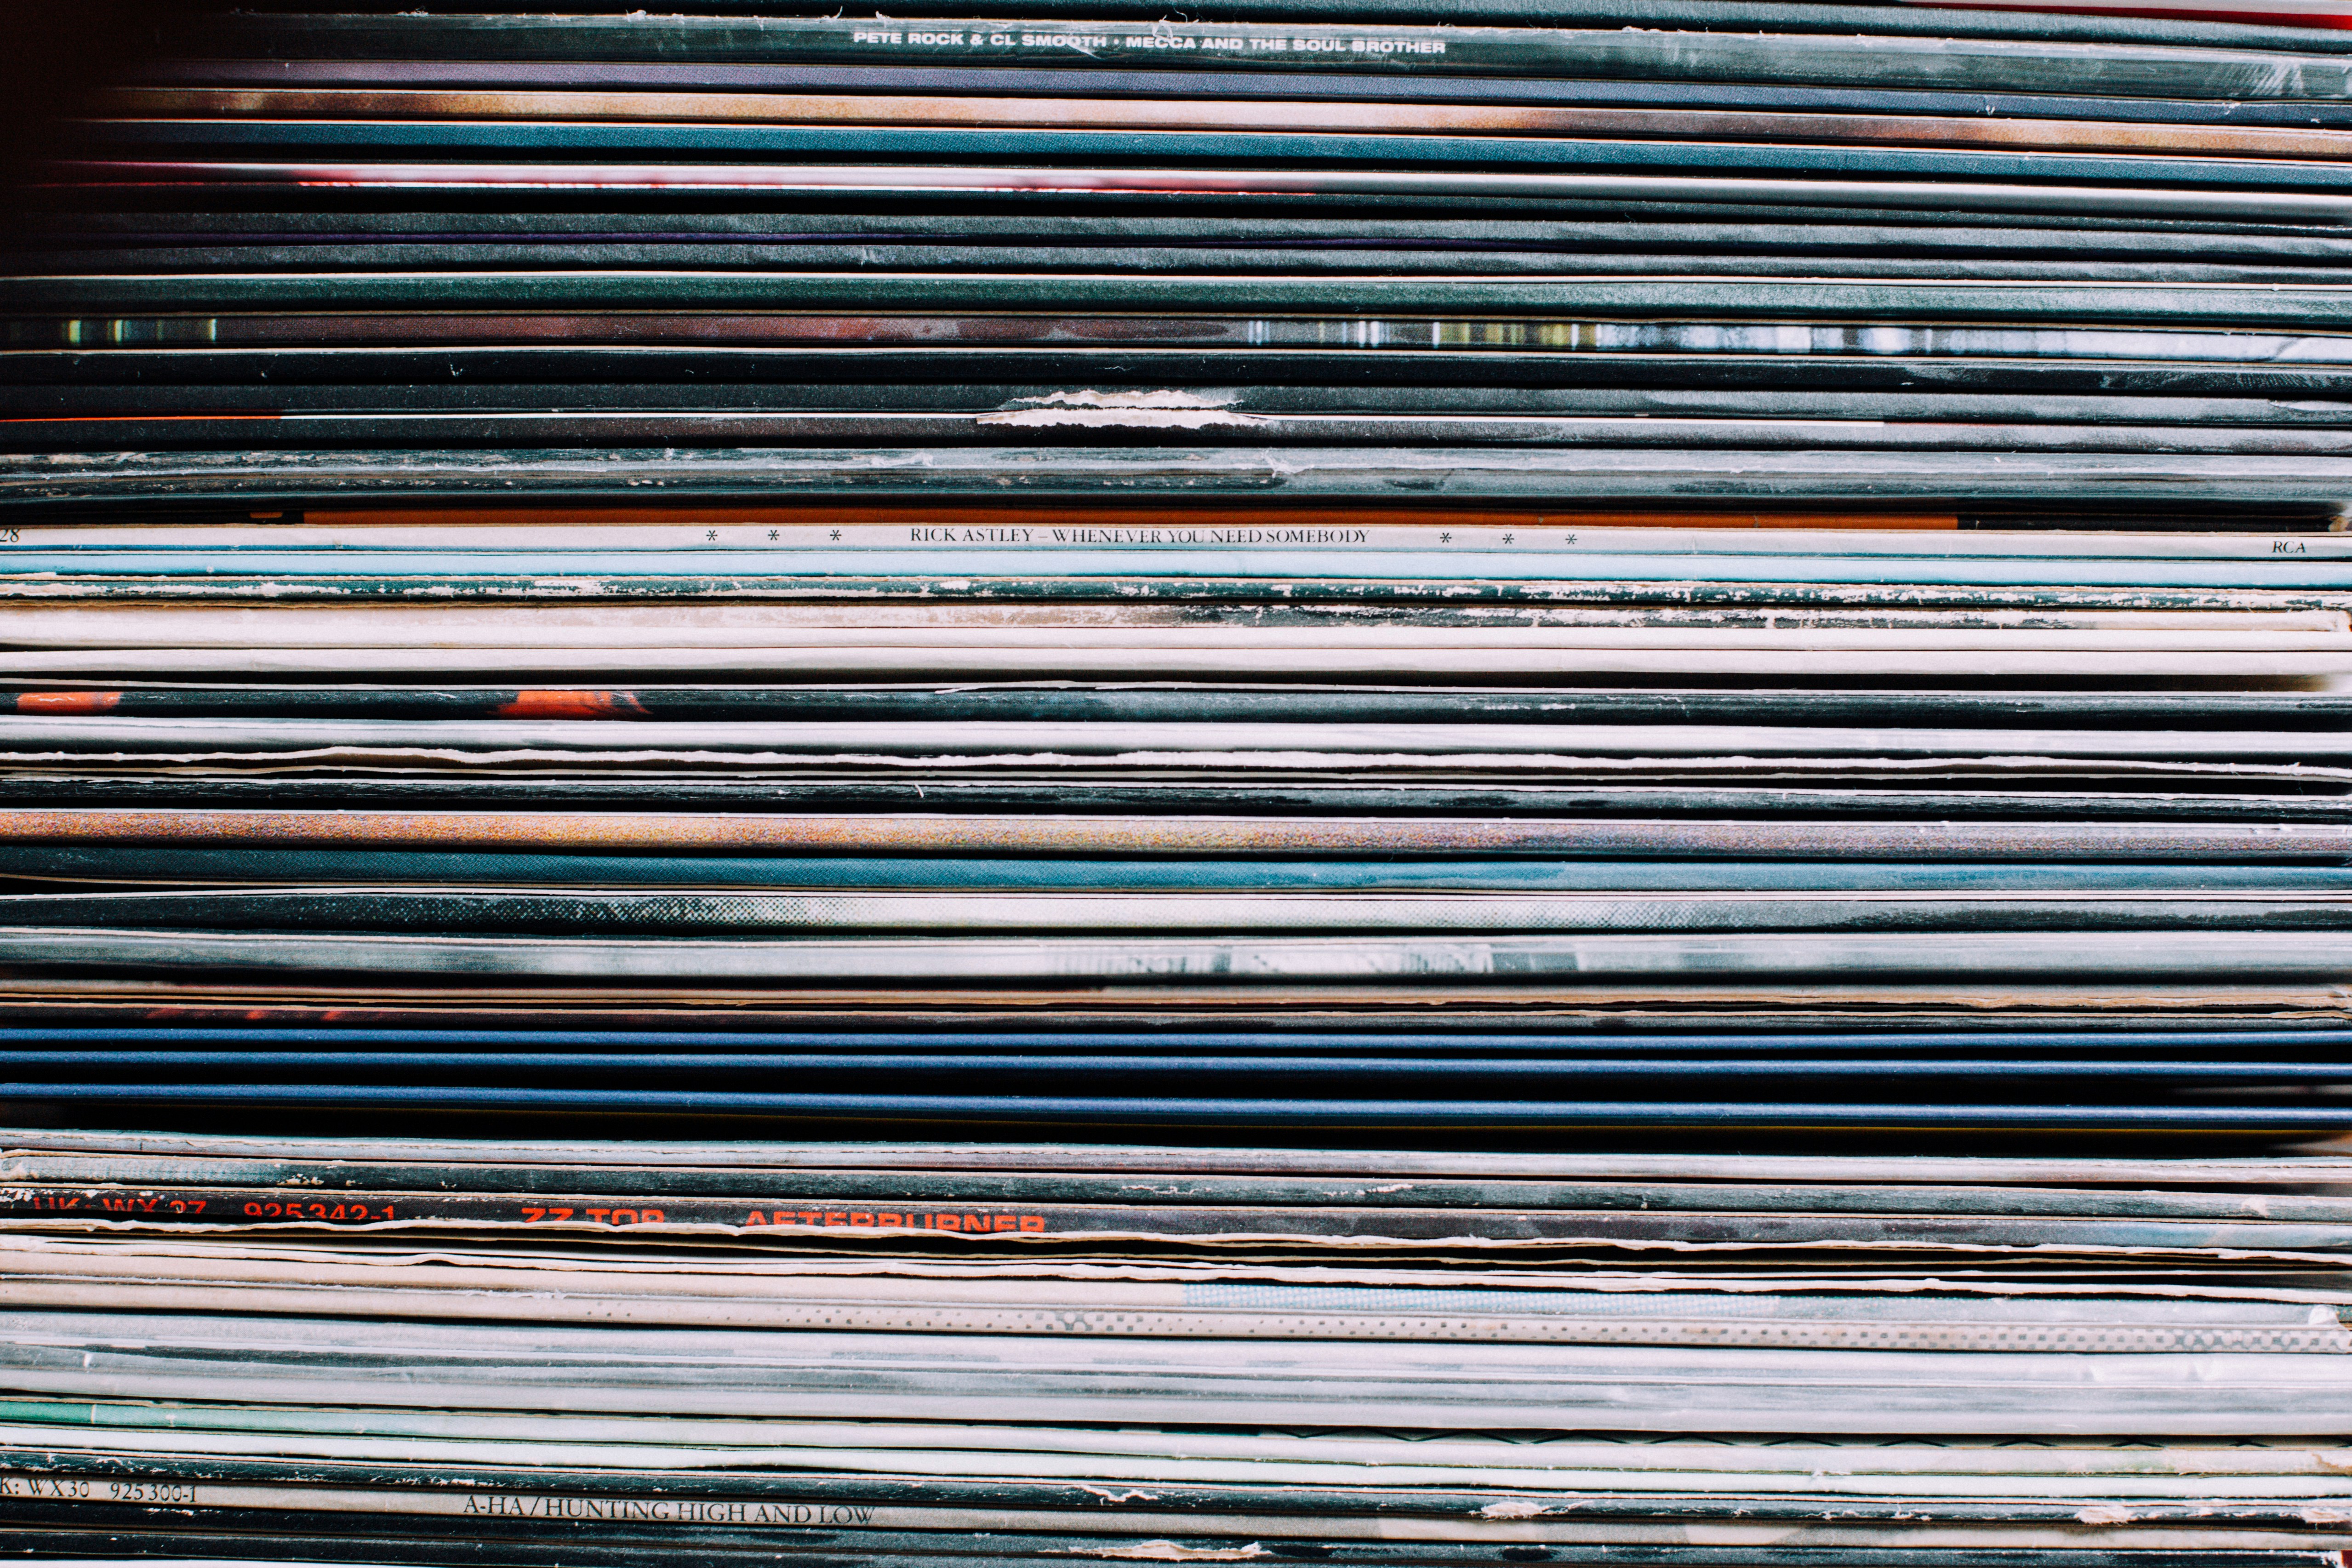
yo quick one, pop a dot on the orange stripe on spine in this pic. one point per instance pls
(68, 702)
(574, 705)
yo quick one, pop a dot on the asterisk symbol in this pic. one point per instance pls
(1571, 538)
(836, 533)
(772, 536)
(1446, 538)
(712, 535)
(1508, 538)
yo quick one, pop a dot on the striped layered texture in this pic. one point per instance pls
(1505, 783)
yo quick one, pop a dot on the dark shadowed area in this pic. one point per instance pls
(58, 51)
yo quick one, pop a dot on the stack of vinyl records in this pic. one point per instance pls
(1527, 781)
